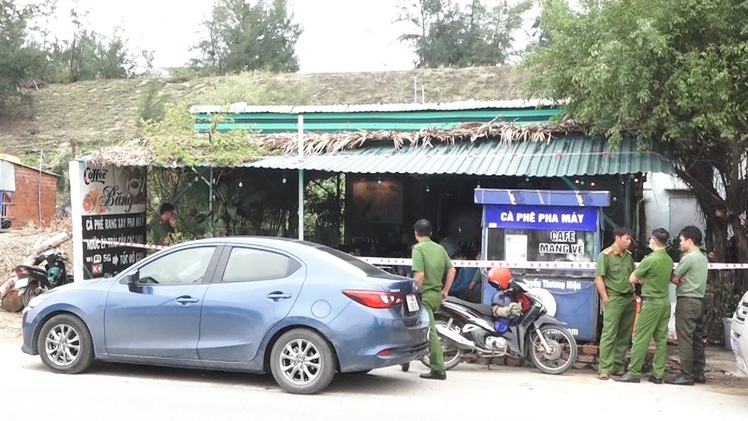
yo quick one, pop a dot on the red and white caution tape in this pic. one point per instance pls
(528, 265)
(457, 263)
(121, 244)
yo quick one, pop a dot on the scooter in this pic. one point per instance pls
(33, 280)
(465, 327)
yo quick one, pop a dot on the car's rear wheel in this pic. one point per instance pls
(65, 345)
(302, 362)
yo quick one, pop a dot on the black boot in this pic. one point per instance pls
(627, 378)
(434, 375)
(680, 380)
(699, 378)
(655, 380)
(405, 367)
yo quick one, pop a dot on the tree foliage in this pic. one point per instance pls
(462, 33)
(174, 141)
(660, 70)
(18, 60)
(242, 36)
(88, 55)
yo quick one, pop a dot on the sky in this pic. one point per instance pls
(339, 35)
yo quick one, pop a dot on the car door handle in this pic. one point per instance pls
(278, 295)
(186, 299)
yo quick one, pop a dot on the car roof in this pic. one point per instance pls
(257, 240)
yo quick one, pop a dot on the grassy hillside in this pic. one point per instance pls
(101, 113)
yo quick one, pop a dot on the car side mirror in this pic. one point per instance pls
(131, 280)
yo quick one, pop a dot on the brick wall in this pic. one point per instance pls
(25, 206)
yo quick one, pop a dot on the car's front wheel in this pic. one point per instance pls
(65, 345)
(302, 362)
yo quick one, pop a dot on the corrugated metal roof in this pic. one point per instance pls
(243, 107)
(567, 156)
(404, 121)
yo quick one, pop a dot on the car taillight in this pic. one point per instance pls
(375, 299)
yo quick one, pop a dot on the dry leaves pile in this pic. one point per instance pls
(505, 132)
(121, 156)
(16, 244)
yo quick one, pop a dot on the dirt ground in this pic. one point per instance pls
(10, 326)
(722, 374)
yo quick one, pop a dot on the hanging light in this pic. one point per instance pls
(379, 179)
(241, 184)
(592, 184)
(284, 180)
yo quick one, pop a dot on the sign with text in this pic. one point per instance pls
(378, 202)
(548, 218)
(112, 207)
(576, 302)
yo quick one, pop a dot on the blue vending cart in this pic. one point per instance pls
(548, 226)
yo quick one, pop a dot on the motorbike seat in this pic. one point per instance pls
(483, 309)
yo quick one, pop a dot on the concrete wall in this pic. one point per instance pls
(669, 203)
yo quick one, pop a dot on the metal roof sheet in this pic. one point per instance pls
(243, 107)
(564, 156)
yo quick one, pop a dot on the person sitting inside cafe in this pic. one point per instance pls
(467, 282)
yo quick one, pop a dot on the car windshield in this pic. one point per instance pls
(368, 269)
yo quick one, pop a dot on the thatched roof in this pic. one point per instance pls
(320, 143)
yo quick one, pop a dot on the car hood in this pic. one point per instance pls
(88, 283)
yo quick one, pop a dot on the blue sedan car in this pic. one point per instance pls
(299, 310)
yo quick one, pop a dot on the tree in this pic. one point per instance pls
(666, 71)
(242, 36)
(462, 33)
(18, 60)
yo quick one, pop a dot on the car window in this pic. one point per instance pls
(181, 267)
(369, 270)
(249, 265)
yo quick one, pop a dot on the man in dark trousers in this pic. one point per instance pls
(654, 273)
(430, 263)
(614, 267)
(690, 276)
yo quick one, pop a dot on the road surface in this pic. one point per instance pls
(123, 392)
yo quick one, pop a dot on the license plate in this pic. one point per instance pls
(412, 302)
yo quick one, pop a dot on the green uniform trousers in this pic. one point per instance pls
(618, 321)
(652, 323)
(432, 301)
(689, 326)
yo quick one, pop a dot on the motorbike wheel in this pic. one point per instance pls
(563, 351)
(452, 354)
(31, 291)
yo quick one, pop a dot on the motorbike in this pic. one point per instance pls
(33, 280)
(468, 328)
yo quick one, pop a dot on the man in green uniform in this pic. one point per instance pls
(430, 262)
(614, 266)
(164, 226)
(690, 275)
(654, 273)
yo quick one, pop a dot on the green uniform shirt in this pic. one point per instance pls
(656, 271)
(693, 267)
(431, 259)
(615, 268)
(159, 231)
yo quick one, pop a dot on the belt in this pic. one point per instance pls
(618, 294)
(653, 298)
